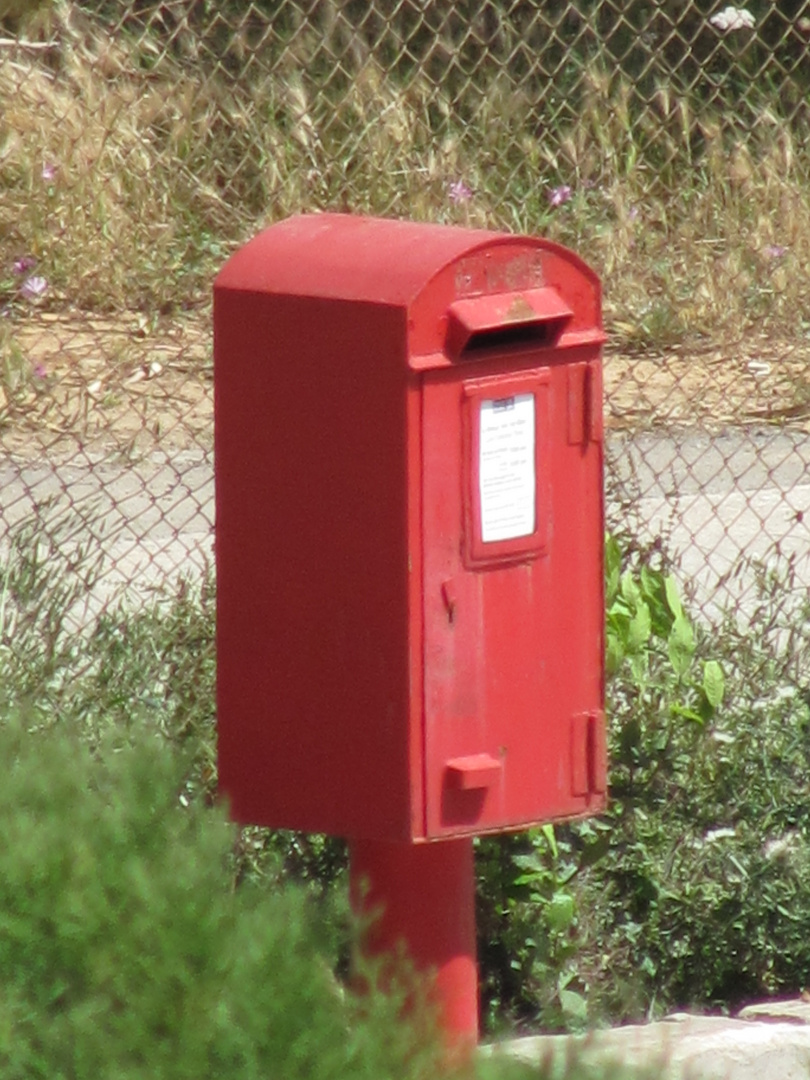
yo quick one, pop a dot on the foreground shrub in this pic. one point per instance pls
(125, 951)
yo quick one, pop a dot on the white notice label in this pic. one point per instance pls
(506, 468)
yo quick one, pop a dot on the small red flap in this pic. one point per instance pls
(474, 771)
(595, 405)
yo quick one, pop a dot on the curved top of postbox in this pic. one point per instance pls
(461, 288)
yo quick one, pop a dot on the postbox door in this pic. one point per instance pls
(512, 681)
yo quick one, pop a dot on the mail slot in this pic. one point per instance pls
(409, 529)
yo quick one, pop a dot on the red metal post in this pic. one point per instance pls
(424, 897)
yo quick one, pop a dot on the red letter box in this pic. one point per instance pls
(409, 530)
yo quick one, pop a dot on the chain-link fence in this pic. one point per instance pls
(141, 142)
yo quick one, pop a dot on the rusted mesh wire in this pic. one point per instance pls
(141, 142)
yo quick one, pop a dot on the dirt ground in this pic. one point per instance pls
(753, 380)
(107, 381)
(118, 381)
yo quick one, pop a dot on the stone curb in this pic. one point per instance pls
(768, 1041)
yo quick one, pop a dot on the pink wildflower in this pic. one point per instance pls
(559, 195)
(34, 287)
(459, 192)
(24, 264)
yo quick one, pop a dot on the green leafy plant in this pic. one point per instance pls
(708, 826)
(645, 617)
(693, 889)
(537, 942)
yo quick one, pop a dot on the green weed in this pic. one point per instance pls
(141, 934)
(691, 890)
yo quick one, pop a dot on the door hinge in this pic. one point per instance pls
(588, 753)
(585, 423)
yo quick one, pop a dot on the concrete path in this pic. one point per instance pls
(151, 520)
(770, 1041)
(717, 500)
(713, 499)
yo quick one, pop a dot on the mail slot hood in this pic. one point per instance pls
(535, 317)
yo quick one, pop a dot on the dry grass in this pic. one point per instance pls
(111, 227)
(129, 173)
(700, 229)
